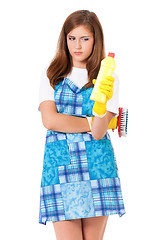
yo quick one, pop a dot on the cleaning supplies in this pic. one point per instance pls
(106, 69)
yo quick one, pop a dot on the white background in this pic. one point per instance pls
(29, 32)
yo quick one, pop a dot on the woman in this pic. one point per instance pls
(80, 186)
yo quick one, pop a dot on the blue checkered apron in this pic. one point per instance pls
(80, 175)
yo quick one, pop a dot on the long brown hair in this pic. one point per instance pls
(61, 64)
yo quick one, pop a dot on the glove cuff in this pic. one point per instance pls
(90, 120)
(95, 114)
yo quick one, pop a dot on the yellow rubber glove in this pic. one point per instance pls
(106, 87)
(113, 123)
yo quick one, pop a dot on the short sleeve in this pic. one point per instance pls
(46, 92)
(113, 103)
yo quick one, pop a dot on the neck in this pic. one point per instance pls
(79, 65)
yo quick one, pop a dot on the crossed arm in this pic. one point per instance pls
(59, 122)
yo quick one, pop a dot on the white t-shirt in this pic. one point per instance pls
(79, 77)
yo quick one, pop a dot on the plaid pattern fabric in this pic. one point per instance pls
(51, 204)
(73, 172)
(52, 136)
(80, 175)
(106, 199)
(68, 101)
(107, 196)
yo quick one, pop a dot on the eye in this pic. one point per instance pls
(71, 38)
(85, 39)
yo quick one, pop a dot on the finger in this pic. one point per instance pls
(94, 81)
(106, 82)
(107, 87)
(111, 81)
(110, 78)
(109, 94)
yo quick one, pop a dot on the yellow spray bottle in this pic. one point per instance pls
(106, 69)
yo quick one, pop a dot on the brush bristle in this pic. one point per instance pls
(124, 122)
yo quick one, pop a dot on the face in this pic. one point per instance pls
(80, 44)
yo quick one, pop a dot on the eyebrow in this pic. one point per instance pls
(80, 37)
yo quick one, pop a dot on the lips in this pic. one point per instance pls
(78, 53)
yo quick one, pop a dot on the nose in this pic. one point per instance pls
(78, 44)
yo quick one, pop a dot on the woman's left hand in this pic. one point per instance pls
(106, 87)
